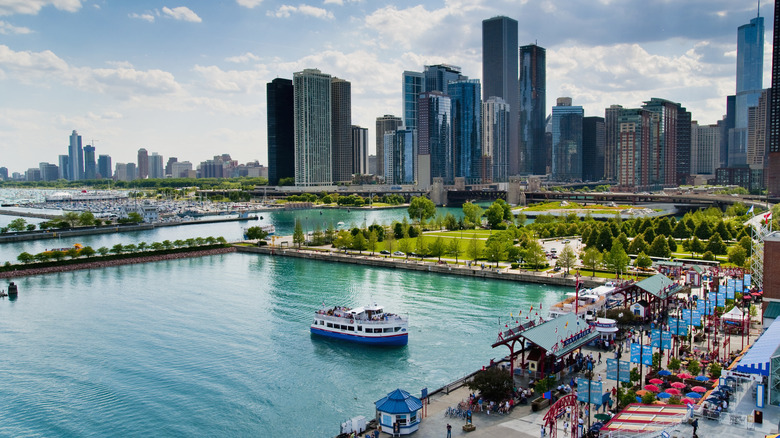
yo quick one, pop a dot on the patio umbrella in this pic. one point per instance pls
(673, 391)
(664, 373)
(642, 392)
(678, 385)
(687, 400)
(699, 389)
(656, 381)
(684, 376)
(664, 395)
(693, 395)
(702, 378)
(602, 417)
(652, 388)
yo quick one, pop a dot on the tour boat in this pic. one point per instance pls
(366, 325)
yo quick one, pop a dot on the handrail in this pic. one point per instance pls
(393, 320)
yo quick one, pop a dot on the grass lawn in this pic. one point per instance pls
(466, 234)
(545, 206)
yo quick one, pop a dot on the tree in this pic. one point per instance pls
(591, 259)
(604, 242)
(623, 240)
(103, 251)
(390, 242)
(143, 245)
(674, 364)
(694, 367)
(474, 249)
(134, 218)
(343, 240)
(157, 246)
(450, 222)
(117, 249)
(643, 261)
(496, 249)
(472, 214)
(716, 245)
(696, 246)
(534, 254)
(492, 383)
(256, 233)
(72, 252)
(672, 244)
(723, 230)
(664, 227)
(708, 256)
(372, 241)
(737, 255)
(17, 225)
(421, 247)
(567, 258)
(616, 259)
(57, 255)
(421, 207)
(437, 248)
(25, 257)
(495, 214)
(178, 243)
(30, 227)
(715, 370)
(453, 248)
(681, 231)
(86, 219)
(746, 242)
(405, 244)
(41, 257)
(703, 230)
(87, 251)
(638, 245)
(659, 247)
(359, 243)
(298, 237)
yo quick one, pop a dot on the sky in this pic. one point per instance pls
(187, 78)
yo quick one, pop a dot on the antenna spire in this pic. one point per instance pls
(758, 9)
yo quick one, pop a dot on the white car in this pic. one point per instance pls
(399, 253)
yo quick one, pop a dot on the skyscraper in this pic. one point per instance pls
(48, 172)
(466, 129)
(90, 171)
(400, 156)
(635, 143)
(665, 157)
(341, 131)
(750, 69)
(611, 137)
(169, 165)
(567, 141)
(532, 110)
(434, 137)
(593, 145)
(438, 76)
(156, 170)
(313, 128)
(495, 140)
(773, 180)
(75, 157)
(281, 130)
(413, 85)
(64, 167)
(386, 123)
(104, 166)
(705, 145)
(143, 164)
(499, 76)
(684, 145)
(359, 150)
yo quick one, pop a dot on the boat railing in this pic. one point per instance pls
(340, 319)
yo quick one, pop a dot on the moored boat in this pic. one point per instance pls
(366, 325)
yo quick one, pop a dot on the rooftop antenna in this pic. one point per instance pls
(758, 8)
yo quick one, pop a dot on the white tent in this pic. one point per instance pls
(733, 315)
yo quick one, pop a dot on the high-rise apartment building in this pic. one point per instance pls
(281, 130)
(125, 172)
(413, 85)
(773, 169)
(359, 150)
(705, 145)
(636, 166)
(386, 123)
(434, 138)
(611, 139)
(727, 126)
(75, 158)
(593, 145)
(438, 76)
(758, 131)
(104, 167)
(168, 165)
(143, 163)
(313, 128)
(495, 140)
(750, 77)
(567, 141)
(684, 145)
(532, 110)
(90, 167)
(64, 167)
(400, 156)
(499, 76)
(156, 170)
(466, 129)
(666, 155)
(3, 174)
(48, 172)
(182, 169)
(341, 130)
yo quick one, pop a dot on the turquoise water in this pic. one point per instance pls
(220, 346)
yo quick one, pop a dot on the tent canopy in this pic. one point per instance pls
(733, 315)
(756, 360)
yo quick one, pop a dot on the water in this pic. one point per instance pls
(220, 346)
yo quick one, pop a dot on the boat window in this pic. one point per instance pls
(369, 330)
(398, 329)
(388, 330)
(343, 327)
(330, 325)
(350, 328)
(360, 328)
(322, 322)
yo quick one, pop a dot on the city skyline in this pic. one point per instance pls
(181, 80)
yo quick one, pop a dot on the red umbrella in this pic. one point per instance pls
(673, 391)
(688, 400)
(678, 385)
(652, 388)
(685, 376)
(656, 381)
(699, 389)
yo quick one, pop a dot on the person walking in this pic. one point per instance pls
(543, 431)
(449, 431)
(565, 428)
(695, 425)
(599, 357)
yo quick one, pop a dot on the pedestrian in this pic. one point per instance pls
(449, 431)
(695, 425)
(599, 377)
(565, 428)
(580, 425)
(599, 357)
(543, 431)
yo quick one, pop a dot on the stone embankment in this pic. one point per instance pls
(96, 262)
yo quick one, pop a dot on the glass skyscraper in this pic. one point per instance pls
(434, 135)
(438, 76)
(386, 123)
(773, 171)
(312, 116)
(281, 130)
(413, 86)
(567, 141)
(466, 129)
(90, 170)
(750, 78)
(75, 157)
(341, 119)
(495, 140)
(533, 109)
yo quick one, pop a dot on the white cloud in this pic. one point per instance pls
(120, 64)
(232, 81)
(182, 13)
(32, 7)
(249, 3)
(285, 11)
(334, 2)
(9, 29)
(146, 17)
(246, 57)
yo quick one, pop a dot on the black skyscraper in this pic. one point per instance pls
(593, 143)
(281, 130)
(533, 109)
(773, 170)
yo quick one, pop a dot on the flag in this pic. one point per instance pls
(751, 210)
(547, 394)
(767, 217)
(566, 325)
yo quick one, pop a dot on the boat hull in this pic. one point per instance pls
(392, 340)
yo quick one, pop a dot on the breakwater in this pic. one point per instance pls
(429, 266)
(108, 261)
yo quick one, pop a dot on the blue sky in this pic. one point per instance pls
(187, 78)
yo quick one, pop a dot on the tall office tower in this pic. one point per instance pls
(48, 172)
(705, 145)
(213, 168)
(386, 123)
(182, 169)
(727, 126)
(438, 76)
(3, 174)
(156, 170)
(359, 150)
(666, 156)
(143, 164)
(413, 86)
(90, 170)
(567, 141)
(466, 129)
(32, 174)
(611, 137)
(313, 128)
(434, 138)
(104, 167)
(635, 143)
(684, 144)
(758, 129)
(281, 130)
(593, 145)
(64, 165)
(341, 130)
(125, 172)
(750, 69)
(169, 165)
(75, 158)
(533, 109)
(773, 169)
(499, 76)
(372, 164)
(495, 140)
(400, 155)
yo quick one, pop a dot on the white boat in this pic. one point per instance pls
(366, 325)
(591, 301)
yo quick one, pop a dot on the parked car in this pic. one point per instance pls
(399, 253)
(384, 251)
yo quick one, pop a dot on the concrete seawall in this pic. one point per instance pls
(427, 266)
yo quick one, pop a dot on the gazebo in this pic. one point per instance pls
(397, 413)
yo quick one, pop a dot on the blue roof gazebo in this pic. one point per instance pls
(399, 411)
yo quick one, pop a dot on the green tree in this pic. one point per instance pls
(496, 250)
(71, 218)
(746, 242)
(72, 252)
(390, 242)
(664, 227)
(167, 244)
(256, 233)
(672, 244)
(421, 207)
(737, 255)
(616, 259)
(474, 249)
(17, 225)
(643, 261)
(716, 245)
(421, 247)
(696, 246)
(298, 237)
(117, 249)
(723, 230)
(157, 246)
(604, 242)
(373, 238)
(567, 258)
(103, 251)
(534, 254)
(86, 219)
(437, 248)
(41, 257)
(30, 227)
(681, 231)
(715, 370)
(660, 247)
(638, 245)
(405, 244)
(450, 222)
(134, 218)
(703, 230)
(453, 248)
(492, 383)
(591, 259)
(57, 255)
(359, 243)
(708, 256)
(472, 214)
(87, 251)
(343, 240)
(495, 214)
(674, 364)
(694, 367)
(25, 257)
(178, 243)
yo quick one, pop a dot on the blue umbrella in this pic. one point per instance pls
(664, 373)
(694, 395)
(702, 378)
(664, 395)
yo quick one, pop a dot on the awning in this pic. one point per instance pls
(756, 360)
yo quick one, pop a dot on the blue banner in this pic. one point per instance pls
(692, 317)
(625, 370)
(748, 280)
(655, 338)
(583, 394)
(666, 340)
(678, 327)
